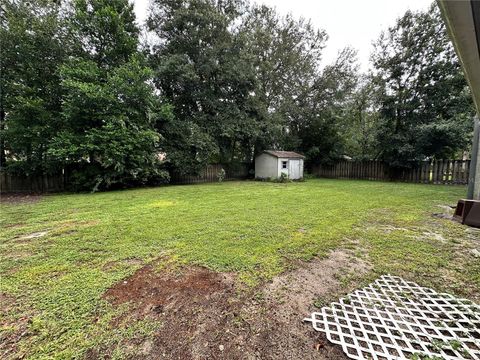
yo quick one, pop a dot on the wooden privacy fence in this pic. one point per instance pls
(31, 184)
(427, 172)
(210, 174)
(56, 183)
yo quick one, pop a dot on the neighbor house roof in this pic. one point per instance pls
(284, 154)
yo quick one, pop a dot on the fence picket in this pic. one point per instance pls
(57, 182)
(452, 172)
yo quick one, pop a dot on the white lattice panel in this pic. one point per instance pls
(396, 319)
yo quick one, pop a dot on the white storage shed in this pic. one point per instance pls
(272, 163)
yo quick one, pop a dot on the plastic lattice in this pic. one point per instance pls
(397, 319)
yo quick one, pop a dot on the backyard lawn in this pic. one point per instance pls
(62, 256)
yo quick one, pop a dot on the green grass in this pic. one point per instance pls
(53, 283)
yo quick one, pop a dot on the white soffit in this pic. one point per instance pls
(460, 20)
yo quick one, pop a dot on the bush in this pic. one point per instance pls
(160, 177)
(91, 177)
(221, 175)
(283, 178)
(308, 176)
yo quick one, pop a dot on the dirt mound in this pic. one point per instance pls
(204, 317)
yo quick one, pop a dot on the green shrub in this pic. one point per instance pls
(284, 178)
(221, 175)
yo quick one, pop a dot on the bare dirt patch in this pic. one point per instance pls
(18, 199)
(204, 315)
(316, 279)
(161, 292)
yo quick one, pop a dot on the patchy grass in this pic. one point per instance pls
(60, 254)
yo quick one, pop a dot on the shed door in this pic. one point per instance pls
(294, 169)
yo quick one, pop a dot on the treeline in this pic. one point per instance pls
(85, 89)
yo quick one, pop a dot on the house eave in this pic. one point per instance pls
(463, 25)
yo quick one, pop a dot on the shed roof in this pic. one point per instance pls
(284, 154)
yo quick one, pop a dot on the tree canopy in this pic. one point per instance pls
(425, 105)
(32, 39)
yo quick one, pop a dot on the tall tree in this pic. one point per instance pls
(323, 109)
(105, 31)
(201, 69)
(359, 125)
(425, 105)
(32, 38)
(285, 53)
(107, 137)
(299, 101)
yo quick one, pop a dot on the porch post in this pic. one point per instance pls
(473, 191)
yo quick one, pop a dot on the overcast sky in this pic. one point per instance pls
(354, 23)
